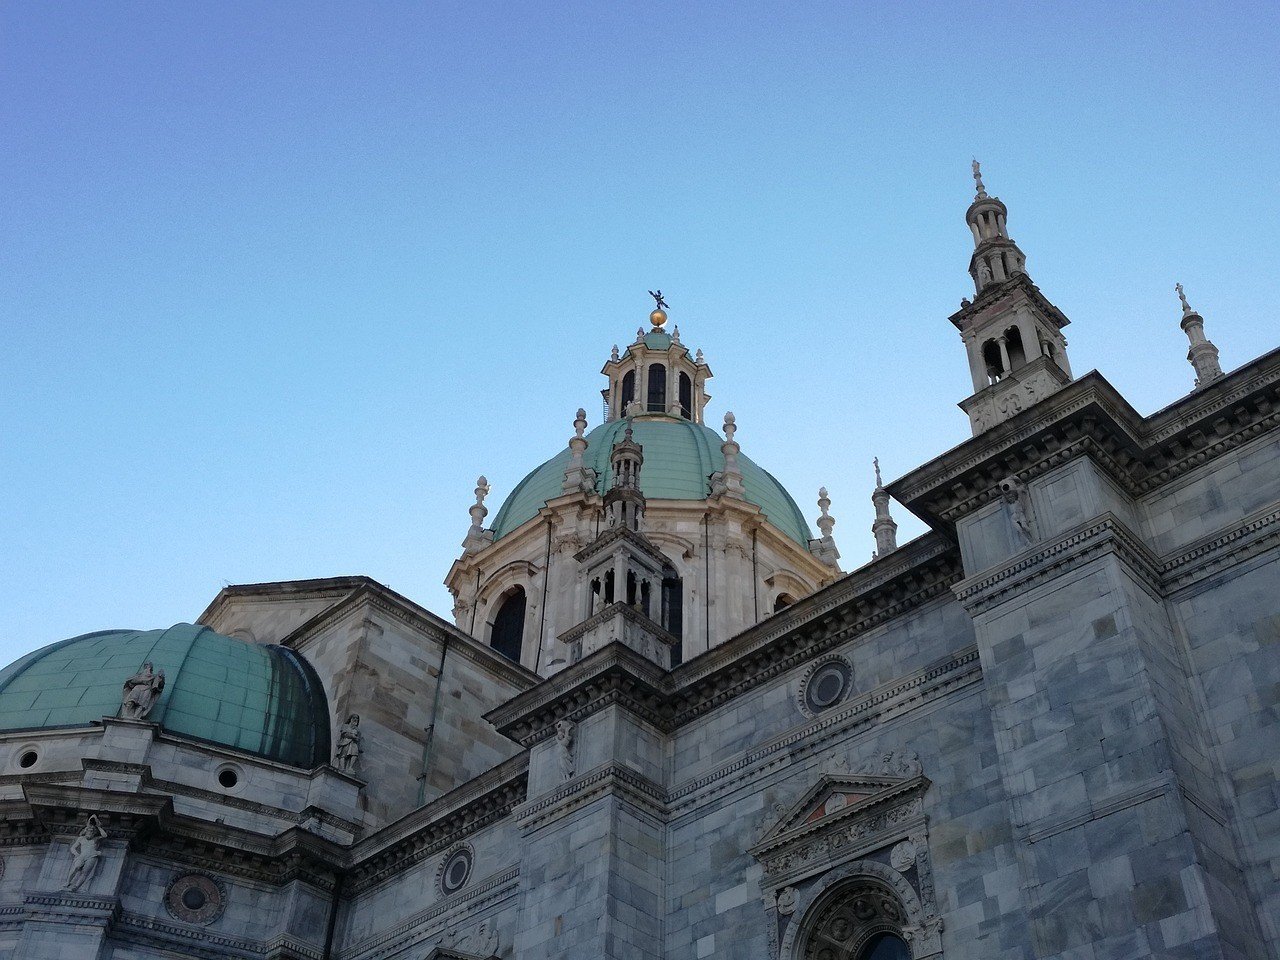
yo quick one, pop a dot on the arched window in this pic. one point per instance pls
(628, 391)
(657, 388)
(673, 609)
(686, 396)
(862, 919)
(784, 600)
(507, 633)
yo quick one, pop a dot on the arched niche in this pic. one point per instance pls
(857, 909)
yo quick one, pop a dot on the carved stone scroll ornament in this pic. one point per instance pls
(86, 851)
(141, 691)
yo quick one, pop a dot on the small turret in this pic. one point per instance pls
(624, 503)
(883, 527)
(1202, 355)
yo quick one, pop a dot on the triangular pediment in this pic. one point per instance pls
(831, 795)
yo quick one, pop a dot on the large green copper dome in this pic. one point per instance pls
(264, 700)
(679, 458)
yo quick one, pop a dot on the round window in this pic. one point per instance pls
(195, 898)
(827, 684)
(456, 870)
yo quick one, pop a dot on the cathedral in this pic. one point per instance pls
(664, 722)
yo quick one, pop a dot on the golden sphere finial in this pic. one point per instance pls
(659, 315)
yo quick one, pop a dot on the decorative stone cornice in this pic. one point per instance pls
(927, 686)
(1104, 534)
(136, 929)
(997, 296)
(613, 674)
(72, 908)
(1108, 534)
(1089, 417)
(404, 610)
(916, 573)
(611, 778)
(1257, 534)
(428, 830)
(420, 927)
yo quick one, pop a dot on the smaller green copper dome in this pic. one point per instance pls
(265, 700)
(657, 340)
(679, 458)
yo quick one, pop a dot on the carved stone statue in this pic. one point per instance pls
(564, 750)
(86, 851)
(347, 753)
(1014, 493)
(141, 691)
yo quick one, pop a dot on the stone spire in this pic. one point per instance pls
(1203, 355)
(1012, 333)
(883, 527)
(824, 548)
(996, 258)
(577, 477)
(624, 503)
(730, 479)
(477, 536)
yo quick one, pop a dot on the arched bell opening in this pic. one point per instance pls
(860, 919)
(686, 396)
(1014, 345)
(506, 632)
(992, 362)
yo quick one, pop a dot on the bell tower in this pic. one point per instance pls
(1012, 333)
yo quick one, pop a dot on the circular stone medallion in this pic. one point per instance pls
(826, 684)
(195, 898)
(456, 870)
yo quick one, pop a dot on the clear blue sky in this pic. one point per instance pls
(278, 281)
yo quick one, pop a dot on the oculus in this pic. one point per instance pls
(195, 898)
(455, 871)
(825, 684)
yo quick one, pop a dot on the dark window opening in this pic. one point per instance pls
(782, 602)
(991, 360)
(507, 635)
(686, 396)
(673, 610)
(1013, 344)
(885, 946)
(657, 388)
(628, 391)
